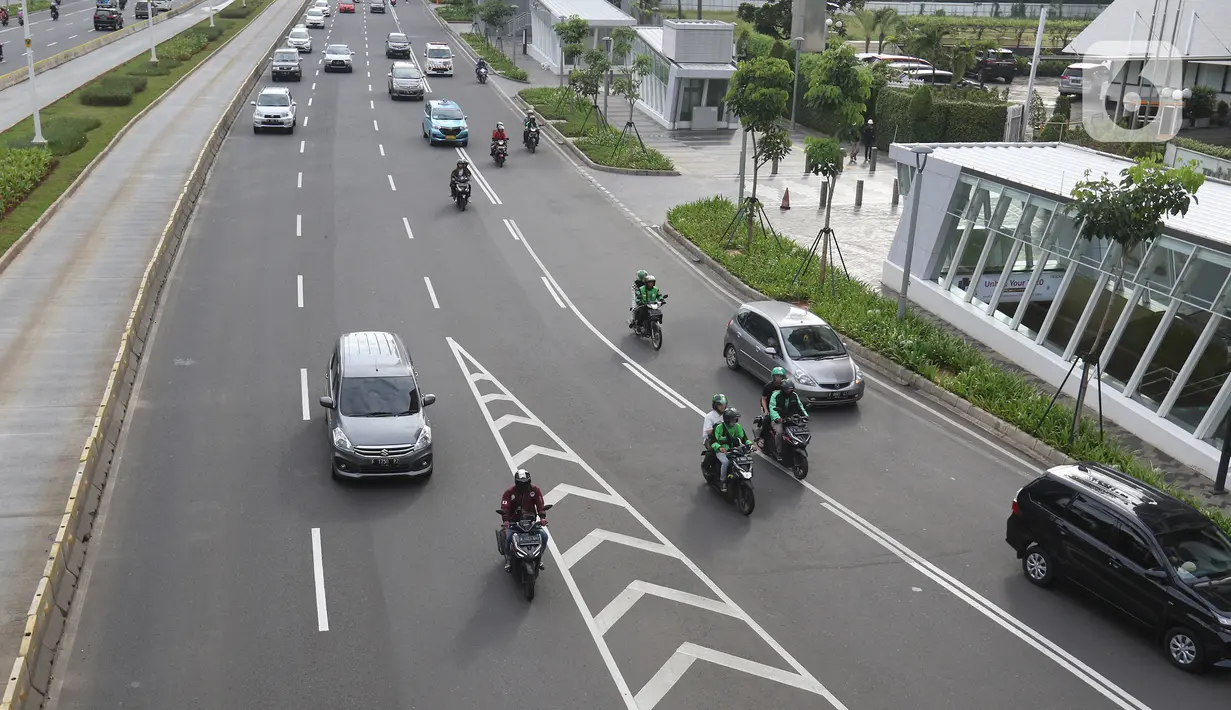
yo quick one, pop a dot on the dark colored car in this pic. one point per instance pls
(106, 18)
(995, 64)
(141, 11)
(374, 409)
(1152, 557)
(397, 45)
(285, 64)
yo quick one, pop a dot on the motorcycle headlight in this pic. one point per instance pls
(340, 441)
(425, 438)
(804, 378)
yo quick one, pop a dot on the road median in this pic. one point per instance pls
(28, 680)
(914, 351)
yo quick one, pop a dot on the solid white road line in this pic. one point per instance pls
(391, 185)
(508, 224)
(382, 149)
(318, 575)
(303, 393)
(479, 178)
(299, 225)
(431, 292)
(299, 289)
(375, 124)
(653, 386)
(406, 224)
(553, 293)
(299, 180)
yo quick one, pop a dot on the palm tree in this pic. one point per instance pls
(890, 24)
(869, 21)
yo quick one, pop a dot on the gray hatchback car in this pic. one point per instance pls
(374, 409)
(763, 335)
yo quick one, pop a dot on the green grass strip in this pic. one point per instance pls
(578, 121)
(502, 64)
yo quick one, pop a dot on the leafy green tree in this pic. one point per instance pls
(495, 14)
(628, 83)
(773, 19)
(572, 33)
(759, 92)
(823, 157)
(621, 44)
(587, 82)
(647, 9)
(839, 85)
(1129, 213)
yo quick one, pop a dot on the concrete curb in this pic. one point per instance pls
(1018, 439)
(18, 76)
(31, 672)
(560, 138)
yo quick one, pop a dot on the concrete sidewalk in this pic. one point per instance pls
(68, 295)
(54, 84)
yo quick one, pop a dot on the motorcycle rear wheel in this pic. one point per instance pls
(745, 500)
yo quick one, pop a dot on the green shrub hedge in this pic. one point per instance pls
(863, 315)
(554, 103)
(21, 170)
(1217, 151)
(955, 116)
(111, 90)
(184, 45)
(236, 12)
(64, 134)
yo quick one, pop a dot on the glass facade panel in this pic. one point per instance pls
(690, 96)
(974, 225)
(715, 93)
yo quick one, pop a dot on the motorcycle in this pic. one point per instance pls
(795, 438)
(482, 73)
(739, 477)
(461, 193)
(55, 13)
(527, 549)
(21, 21)
(532, 138)
(500, 152)
(652, 325)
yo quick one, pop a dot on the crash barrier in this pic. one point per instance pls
(31, 671)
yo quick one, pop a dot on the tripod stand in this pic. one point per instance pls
(1087, 361)
(751, 208)
(827, 242)
(623, 133)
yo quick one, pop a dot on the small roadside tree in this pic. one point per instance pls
(823, 157)
(621, 44)
(839, 85)
(495, 14)
(572, 33)
(588, 81)
(647, 9)
(759, 92)
(628, 84)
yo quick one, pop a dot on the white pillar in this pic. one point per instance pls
(38, 123)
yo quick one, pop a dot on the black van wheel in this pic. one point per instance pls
(1184, 650)
(1039, 566)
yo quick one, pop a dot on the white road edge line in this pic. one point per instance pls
(406, 224)
(553, 293)
(299, 225)
(391, 185)
(299, 289)
(1053, 651)
(508, 224)
(318, 574)
(303, 393)
(655, 387)
(431, 291)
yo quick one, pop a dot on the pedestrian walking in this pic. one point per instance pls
(869, 140)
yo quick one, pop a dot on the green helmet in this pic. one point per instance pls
(778, 372)
(719, 399)
(642, 274)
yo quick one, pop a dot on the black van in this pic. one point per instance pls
(1153, 557)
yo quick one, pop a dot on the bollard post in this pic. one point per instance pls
(824, 193)
(859, 193)
(872, 167)
(773, 170)
(896, 193)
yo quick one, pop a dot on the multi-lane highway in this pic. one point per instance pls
(228, 570)
(75, 26)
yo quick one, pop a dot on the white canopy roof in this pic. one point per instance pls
(598, 13)
(1199, 29)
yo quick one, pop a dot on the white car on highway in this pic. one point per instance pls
(338, 58)
(300, 39)
(439, 58)
(323, 6)
(275, 108)
(314, 18)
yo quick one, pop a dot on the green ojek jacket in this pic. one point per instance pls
(647, 294)
(779, 401)
(728, 436)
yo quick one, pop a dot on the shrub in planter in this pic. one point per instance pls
(1202, 103)
(107, 93)
(236, 12)
(211, 33)
(183, 46)
(64, 134)
(21, 170)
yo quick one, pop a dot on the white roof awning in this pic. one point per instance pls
(599, 13)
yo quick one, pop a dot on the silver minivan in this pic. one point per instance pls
(767, 334)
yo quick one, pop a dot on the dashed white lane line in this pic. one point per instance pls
(305, 120)
(369, 87)
(318, 73)
(369, 75)
(299, 225)
(52, 44)
(303, 393)
(318, 575)
(382, 149)
(375, 125)
(309, 102)
(299, 180)
(556, 296)
(406, 224)
(372, 104)
(301, 145)
(74, 37)
(299, 289)
(431, 292)
(391, 185)
(314, 86)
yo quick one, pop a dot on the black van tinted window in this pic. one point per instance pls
(1093, 519)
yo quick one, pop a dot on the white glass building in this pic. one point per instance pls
(694, 61)
(997, 255)
(545, 14)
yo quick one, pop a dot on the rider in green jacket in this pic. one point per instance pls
(727, 434)
(647, 294)
(784, 403)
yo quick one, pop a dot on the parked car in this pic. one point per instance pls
(994, 64)
(374, 409)
(285, 64)
(405, 79)
(1083, 77)
(106, 18)
(444, 122)
(338, 58)
(397, 45)
(873, 57)
(763, 335)
(1152, 557)
(275, 108)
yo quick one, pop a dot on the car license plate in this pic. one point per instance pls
(450, 138)
(386, 462)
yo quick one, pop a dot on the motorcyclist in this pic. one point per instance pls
(498, 135)
(784, 403)
(522, 496)
(718, 405)
(480, 66)
(777, 375)
(530, 121)
(637, 284)
(727, 434)
(646, 294)
(462, 170)
(4, 16)
(55, 13)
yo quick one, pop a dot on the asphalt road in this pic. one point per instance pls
(75, 27)
(882, 583)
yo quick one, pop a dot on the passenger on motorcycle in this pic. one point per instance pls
(646, 294)
(637, 284)
(727, 434)
(782, 404)
(521, 497)
(777, 375)
(530, 121)
(498, 135)
(462, 170)
(717, 406)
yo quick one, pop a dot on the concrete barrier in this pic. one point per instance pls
(30, 676)
(16, 77)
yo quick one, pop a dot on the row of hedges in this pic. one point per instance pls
(502, 64)
(21, 170)
(943, 116)
(861, 314)
(1217, 151)
(574, 118)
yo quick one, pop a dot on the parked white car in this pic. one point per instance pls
(275, 108)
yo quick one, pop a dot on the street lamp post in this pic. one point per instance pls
(38, 123)
(211, 13)
(607, 88)
(831, 24)
(798, 45)
(153, 50)
(916, 186)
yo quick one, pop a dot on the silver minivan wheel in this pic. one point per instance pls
(731, 357)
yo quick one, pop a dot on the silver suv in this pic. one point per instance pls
(274, 109)
(285, 64)
(405, 79)
(300, 39)
(338, 58)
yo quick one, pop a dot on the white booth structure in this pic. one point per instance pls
(545, 14)
(997, 255)
(693, 64)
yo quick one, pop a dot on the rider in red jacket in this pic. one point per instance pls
(498, 135)
(522, 497)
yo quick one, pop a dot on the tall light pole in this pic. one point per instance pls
(38, 123)
(211, 12)
(607, 88)
(150, 32)
(798, 45)
(916, 184)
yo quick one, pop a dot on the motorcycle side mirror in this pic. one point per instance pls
(548, 507)
(429, 400)
(500, 513)
(389, 74)
(327, 402)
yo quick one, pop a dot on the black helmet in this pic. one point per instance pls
(521, 479)
(788, 386)
(730, 416)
